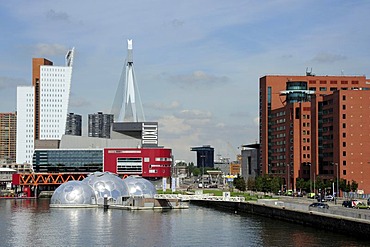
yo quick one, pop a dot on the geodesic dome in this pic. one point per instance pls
(73, 193)
(107, 184)
(138, 186)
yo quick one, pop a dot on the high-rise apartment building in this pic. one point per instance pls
(74, 124)
(8, 136)
(315, 126)
(100, 125)
(43, 107)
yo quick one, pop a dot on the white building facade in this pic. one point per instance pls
(43, 109)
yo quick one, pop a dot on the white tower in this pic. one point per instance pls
(42, 108)
(127, 105)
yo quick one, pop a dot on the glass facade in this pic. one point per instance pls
(297, 91)
(82, 160)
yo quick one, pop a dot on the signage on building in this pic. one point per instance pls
(149, 134)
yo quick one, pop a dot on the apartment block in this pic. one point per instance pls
(315, 126)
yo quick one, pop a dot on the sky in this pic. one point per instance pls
(197, 62)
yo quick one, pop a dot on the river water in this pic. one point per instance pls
(33, 223)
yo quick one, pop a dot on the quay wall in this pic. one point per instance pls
(317, 219)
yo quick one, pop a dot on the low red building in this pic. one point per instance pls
(146, 162)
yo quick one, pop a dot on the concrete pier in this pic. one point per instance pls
(319, 218)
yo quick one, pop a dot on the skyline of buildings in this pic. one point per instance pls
(308, 124)
(315, 126)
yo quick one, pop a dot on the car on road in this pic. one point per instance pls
(329, 198)
(319, 205)
(350, 203)
(362, 205)
(311, 195)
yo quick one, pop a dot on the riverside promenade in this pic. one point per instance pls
(349, 221)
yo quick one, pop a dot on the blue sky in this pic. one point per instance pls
(197, 62)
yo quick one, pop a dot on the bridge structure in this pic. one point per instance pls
(39, 179)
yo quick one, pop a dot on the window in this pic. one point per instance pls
(343, 97)
(343, 107)
(322, 89)
(344, 126)
(344, 135)
(344, 116)
(344, 153)
(344, 172)
(344, 144)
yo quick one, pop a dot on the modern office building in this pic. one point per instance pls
(250, 161)
(8, 137)
(42, 108)
(100, 125)
(74, 124)
(315, 126)
(205, 156)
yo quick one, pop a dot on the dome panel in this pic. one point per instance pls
(138, 186)
(73, 193)
(107, 184)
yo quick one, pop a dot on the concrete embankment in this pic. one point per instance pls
(316, 218)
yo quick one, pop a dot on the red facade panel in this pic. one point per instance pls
(146, 162)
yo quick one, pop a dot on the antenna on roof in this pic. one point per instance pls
(309, 73)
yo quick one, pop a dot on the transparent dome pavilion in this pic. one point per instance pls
(138, 186)
(98, 185)
(73, 192)
(106, 184)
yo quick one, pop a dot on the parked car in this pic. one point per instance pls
(362, 205)
(311, 195)
(329, 198)
(350, 203)
(319, 205)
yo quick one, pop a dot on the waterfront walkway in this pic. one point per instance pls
(203, 197)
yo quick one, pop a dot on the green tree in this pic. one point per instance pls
(239, 183)
(354, 186)
(275, 184)
(196, 171)
(259, 183)
(251, 183)
(320, 184)
(342, 185)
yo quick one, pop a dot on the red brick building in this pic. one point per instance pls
(315, 126)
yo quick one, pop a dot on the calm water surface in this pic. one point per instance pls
(33, 223)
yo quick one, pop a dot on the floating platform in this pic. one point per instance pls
(134, 203)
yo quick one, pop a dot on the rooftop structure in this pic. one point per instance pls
(127, 106)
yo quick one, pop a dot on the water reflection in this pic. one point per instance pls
(33, 223)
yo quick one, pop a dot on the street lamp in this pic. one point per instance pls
(337, 179)
(202, 156)
(288, 177)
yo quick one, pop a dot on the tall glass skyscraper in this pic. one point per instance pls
(42, 108)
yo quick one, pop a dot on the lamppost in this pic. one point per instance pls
(202, 156)
(288, 177)
(337, 195)
(310, 177)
